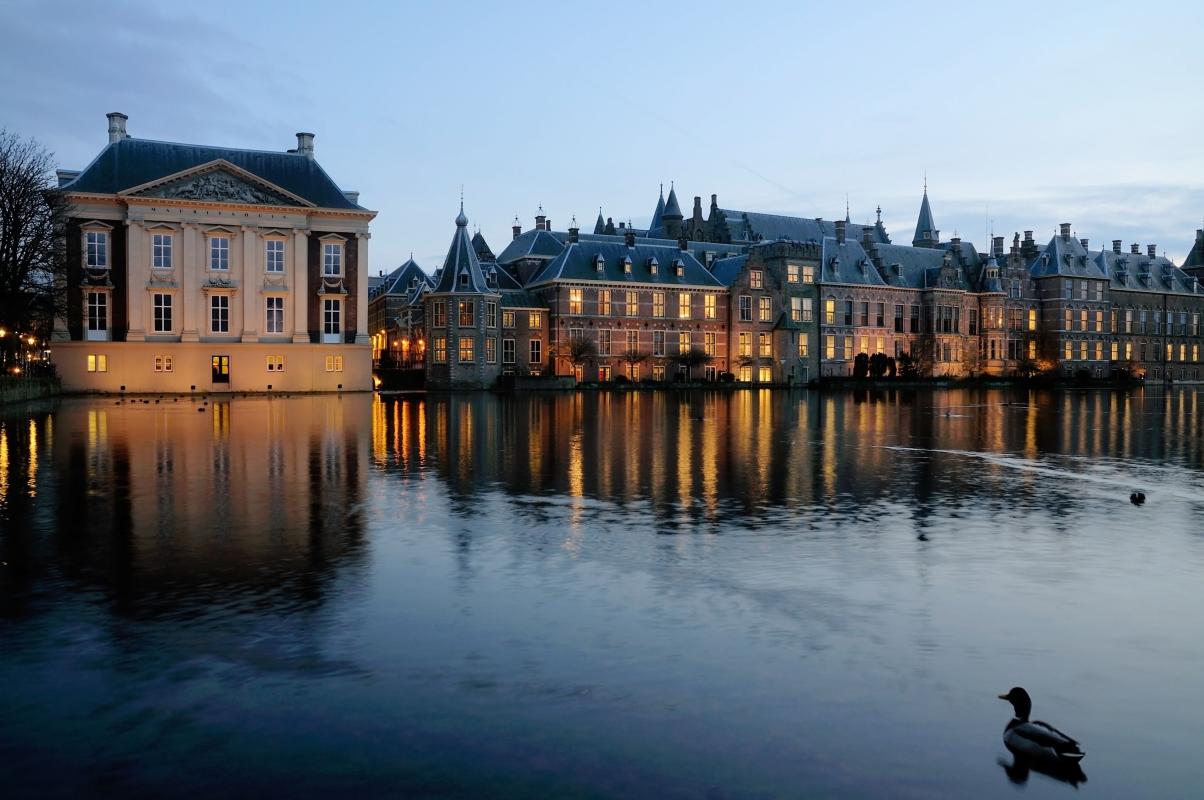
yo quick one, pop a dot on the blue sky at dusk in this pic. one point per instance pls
(1026, 114)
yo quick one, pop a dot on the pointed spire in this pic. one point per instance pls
(461, 220)
(672, 209)
(600, 225)
(658, 215)
(925, 226)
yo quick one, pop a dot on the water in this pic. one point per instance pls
(751, 594)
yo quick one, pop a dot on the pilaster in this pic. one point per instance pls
(252, 283)
(190, 285)
(137, 261)
(300, 286)
(361, 288)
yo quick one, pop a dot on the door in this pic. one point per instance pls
(221, 369)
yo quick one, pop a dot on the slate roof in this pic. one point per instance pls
(1066, 256)
(482, 247)
(132, 162)
(671, 209)
(726, 270)
(537, 243)
(924, 222)
(1140, 273)
(747, 226)
(578, 263)
(847, 262)
(462, 259)
(600, 225)
(657, 215)
(1195, 258)
(399, 280)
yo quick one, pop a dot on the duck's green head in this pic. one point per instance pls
(1020, 701)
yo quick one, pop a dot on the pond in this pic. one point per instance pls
(643, 594)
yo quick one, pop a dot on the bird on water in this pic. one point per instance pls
(1036, 740)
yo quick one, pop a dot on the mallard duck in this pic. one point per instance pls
(1037, 740)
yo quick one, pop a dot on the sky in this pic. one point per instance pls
(1020, 115)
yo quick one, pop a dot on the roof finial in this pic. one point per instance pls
(541, 208)
(573, 222)
(925, 181)
(662, 190)
(879, 212)
(846, 207)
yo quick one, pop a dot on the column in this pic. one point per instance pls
(361, 288)
(137, 273)
(189, 271)
(250, 283)
(300, 287)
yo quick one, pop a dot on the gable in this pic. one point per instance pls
(217, 185)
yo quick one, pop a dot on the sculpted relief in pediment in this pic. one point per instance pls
(218, 187)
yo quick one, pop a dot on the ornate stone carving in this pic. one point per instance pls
(218, 186)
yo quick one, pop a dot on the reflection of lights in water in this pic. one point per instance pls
(576, 491)
(32, 481)
(829, 445)
(3, 462)
(710, 457)
(685, 446)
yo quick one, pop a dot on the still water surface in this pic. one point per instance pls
(751, 594)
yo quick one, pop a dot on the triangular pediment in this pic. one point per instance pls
(218, 181)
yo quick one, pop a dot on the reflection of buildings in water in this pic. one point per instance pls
(251, 494)
(704, 455)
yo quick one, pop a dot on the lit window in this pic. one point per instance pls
(683, 305)
(219, 313)
(658, 304)
(466, 349)
(163, 363)
(535, 320)
(604, 302)
(161, 305)
(830, 347)
(683, 342)
(754, 279)
(576, 301)
(633, 304)
(830, 311)
(439, 350)
(708, 343)
(796, 309)
(745, 344)
(273, 255)
(507, 319)
(658, 372)
(275, 363)
(792, 273)
(334, 363)
(161, 250)
(274, 310)
(802, 346)
(332, 259)
(468, 313)
(490, 314)
(765, 375)
(765, 309)
(98, 362)
(745, 374)
(491, 350)
(765, 345)
(219, 253)
(709, 306)
(97, 256)
(808, 273)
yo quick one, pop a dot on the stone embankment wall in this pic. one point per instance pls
(16, 390)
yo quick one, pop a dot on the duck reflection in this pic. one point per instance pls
(1020, 767)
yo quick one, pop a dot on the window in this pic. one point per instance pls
(161, 304)
(576, 301)
(1083, 319)
(683, 342)
(880, 315)
(829, 311)
(1099, 320)
(746, 374)
(164, 363)
(97, 256)
(1099, 351)
(915, 319)
(463, 279)
(658, 343)
(490, 314)
(708, 306)
(1015, 292)
(331, 309)
(1068, 351)
(334, 363)
(830, 347)
(1195, 352)
(658, 372)
(98, 362)
(534, 354)
(865, 314)
(1032, 349)
(507, 319)
(219, 253)
(467, 356)
(898, 318)
(1195, 324)
(1141, 319)
(604, 374)
(633, 304)
(491, 350)
(796, 309)
(1068, 323)
(468, 313)
(803, 350)
(1083, 351)
(792, 273)
(973, 321)
(274, 312)
(765, 345)
(439, 313)
(765, 375)
(1083, 291)
(683, 305)
(275, 363)
(808, 313)
(507, 351)
(745, 344)
(848, 312)
(534, 320)
(161, 250)
(219, 313)
(745, 308)
(754, 279)
(98, 312)
(808, 273)
(273, 255)
(1115, 351)
(1128, 320)
(332, 259)
(708, 343)
(658, 304)
(604, 341)
(633, 341)
(439, 350)
(765, 309)
(604, 302)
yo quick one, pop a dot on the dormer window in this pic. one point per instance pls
(626, 265)
(679, 267)
(492, 278)
(463, 279)
(599, 263)
(1045, 260)
(653, 264)
(97, 256)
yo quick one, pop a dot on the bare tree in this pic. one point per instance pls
(633, 358)
(694, 357)
(32, 219)
(578, 351)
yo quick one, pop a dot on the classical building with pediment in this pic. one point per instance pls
(209, 269)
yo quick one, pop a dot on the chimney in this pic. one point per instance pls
(573, 231)
(714, 201)
(1065, 226)
(682, 243)
(697, 208)
(840, 231)
(1135, 249)
(1116, 246)
(352, 197)
(539, 220)
(305, 144)
(1151, 250)
(997, 246)
(1083, 242)
(629, 237)
(65, 176)
(117, 126)
(956, 241)
(516, 228)
(867, 238)
(609, 230)
(547, 224)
